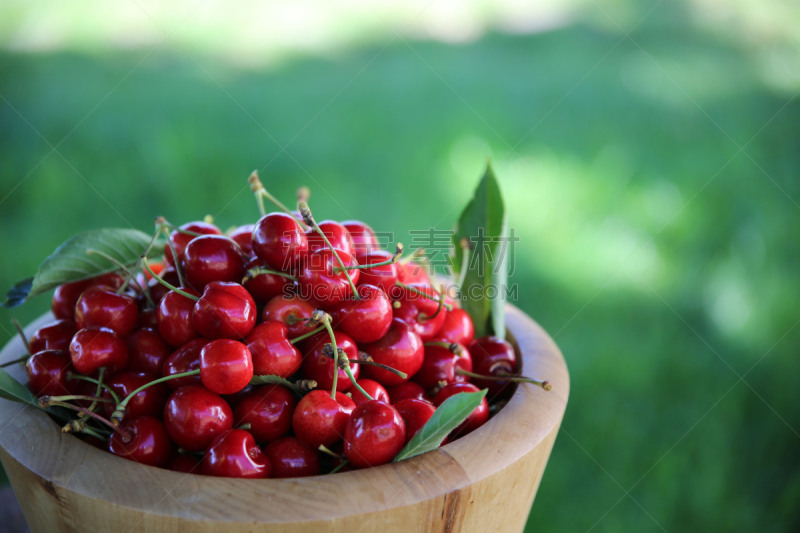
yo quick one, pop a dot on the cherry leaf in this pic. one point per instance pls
(13, 390)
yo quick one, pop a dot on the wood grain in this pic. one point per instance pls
(485, 481)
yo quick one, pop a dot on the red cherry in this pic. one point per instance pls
(265, 286)
(194, 416)
(292, 311)
(457, 327)
(47, 373)
(271, 350)
(180, 239)
(158, 290)
(364, 239)
(145, 441)
(412, 272)
(147, 351)
(407, 389)
(174, 317)
(66, 296)
(371, 387)
(226, 310)
(213, 258)
(291, 457)
(415, 414)
(319, 419)
(92, 348)
(184, 462)
(401, 348)
(366, 319)
(268, 410)
(102, 307)
(384, 276)
(493, 356)
(374, 434)
(440, 364)
(184, 359)
(280, 241)
(337, 235)
(234, 453)
(149, 401)
(319, 280)
(226, 366)
(319, 367)
(477, 418)
(53, 336)
(243, 236)
(421, 312)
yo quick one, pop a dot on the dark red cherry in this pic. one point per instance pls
(440, 364)
(142, 439)
(174, 317)
(235, 453)
(319, 367)
(53, 336)
(420, 312)
(263, 286)
(102, 307)
(406, 390)
(47, 373)
(147, 351)
(185, 462)
(226, 310)
(271, 350)
(319, 419)
(374, 434)
(415, 414)
(194, 416)
(477, 418)
(291, 457)
(180, 240)
(92, 348)
(384, 276)
(149, 401)
(364, 239)
(493, 356)
(292, 311)
(226, 366)
(66, 296)
(371, 387)
(337, 234)
(184, 359)
(366, 319)
(268, 409)
(243, 236)
(212, 258)
(457, 327)
(280, 241)
(401, 348)
(320, 280)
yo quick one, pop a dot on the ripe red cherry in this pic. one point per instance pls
(364, 239)
(401, 348)
(194, 416)
(243, 236)
(374, 434)
(477, 418)
(493, 356)
(415, 414)
(371, 387)
(226, 310)
(280, 241)
(319, 367)
(102, 307)
(47, 373)
(92, 348)
(412, 272)
(142, 439)
(235, 454)
(420, 312)
(268, 410)
(292, 311)
(147, 351)
(66, 296)
(366, 319)
(457, 327)
(149, 401)
(213, 258)
(226, 366)
(158, 290)
(184, 462)
(384, 276)
(184, 359)
(271, 350)
(319, 419)
(53, 336)
(264, 286)
(440, 366)
(319, 280)
(180, 240)
(174, 317)
(291, 457)
(337, 235)
(407, 389)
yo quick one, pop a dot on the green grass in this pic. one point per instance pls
(652, 182)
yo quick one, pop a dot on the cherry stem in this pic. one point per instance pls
(307, 335)
(370, 362)
(246, 426)
(454, 347)
(308, 218)
(423, 317)
(125, 268)
(22, 336)
(137, 266)
(327, 451)
(168, 284)
(339, 466)
(98, 390)
(326, 323)
(417, 253)
(260, 193)
(422, 293)
(72, 375)
(164, 226)
(506, 377)
(272, 379)
(119, 413)
(46, 401)
(94, 433)
(398, 252)
(70, 397)
(344, 363)
(22, 359)
(256, 271)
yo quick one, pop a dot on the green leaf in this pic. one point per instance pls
(483, 226)
(11, 389)
(16, 295)
(448, 416)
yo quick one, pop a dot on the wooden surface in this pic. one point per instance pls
(485, 481)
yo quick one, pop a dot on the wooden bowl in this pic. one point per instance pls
(485, 481)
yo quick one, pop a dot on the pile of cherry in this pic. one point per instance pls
(288, 348)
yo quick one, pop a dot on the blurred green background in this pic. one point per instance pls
(649, 153)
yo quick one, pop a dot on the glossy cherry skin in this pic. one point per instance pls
(371, 387)
(477, 418)
(92, 348)
(265, 285)
(415, 414)
(366, 319)
(268, 409)
(53, 336)
(271, 350)
(319, 419)
(292, 311)
(47, 373)
(411, 272)
(457, 327)
(225, 311)
(243, 236)
(291, 457)
(401, 348)
(147, 351)
(145, 441)
(280, 241)
(318, 280)
(194, 416)
(174, 317)
(405, 390)
(235, 454)
(66, 295)
(337, 234)
(440, 366)
(102, 307)
(212, 258)
(319, 367)
(374, 434)
(226, 366)
(363, 237)
(149, 401)
(492, 356)
(384, 276)
(180, 240)
(420, 312)
(184, 359)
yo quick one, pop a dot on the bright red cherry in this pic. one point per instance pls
(149, 401)
(420, 312)
(53, 336)
(271, 350)
(407, 389)
(292, 311)
(415, 414)
(291, 457)
(235, 453)
(371, 387)
(457, 327)
(319, 419)
(142, 439)
(320, 280)
(243, 236)
(184, 359)
(493, 356)
(92, 348)
(319, 367)
(102, 307)
(384, 276)
(180, 239)
(226, 310)
(47, 373)
(174, 317)
(374, 434)
(412, 272)
(212, 258)
(337, 234)
(226, 366)
(477, 418)
(268, 409)
(401, 348)
(280, 241)
(440, 366)
(147, 351)
(364, 239)
(194, 416)
(366, 319)
(263, 286)
(66, 296)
